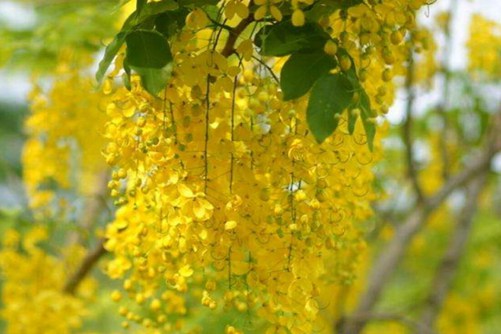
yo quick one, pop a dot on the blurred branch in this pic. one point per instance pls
(447, 269)
(93, 208)
(414, 325)
(386, 264)
(407, 128)
(85, 267)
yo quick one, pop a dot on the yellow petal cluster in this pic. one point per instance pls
(32, 285)
(62, 151)
(484, 45)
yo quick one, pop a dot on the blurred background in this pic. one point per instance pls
(456, 79)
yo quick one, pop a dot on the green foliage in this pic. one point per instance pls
(154, 79)
(197, 3)
(324, 8)
(60, 25)
(144, 15)
(301, 71)
(170, 22)
(146, 34)
(109, 54)
(147, 49)
(307, 63)
(11, 139)
(148, 54)
(330, 95)
(283, 38)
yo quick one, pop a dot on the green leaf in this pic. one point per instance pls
(154, 79)
(145, 12)
(155, 8)
(147, 49)
(283, 38)
(323, 8)
(197, 3)
(171, 22)
(148, 55)
(140, 5)
(301, 70)
(126, 74)
(345, 4)
(363, 103)
(330, 95)
(109, 54)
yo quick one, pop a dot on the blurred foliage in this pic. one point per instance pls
(11, 138)
(59, 24)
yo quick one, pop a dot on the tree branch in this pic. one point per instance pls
(447, 269)
(229, 47)
(93, 208)
(87, 264)
(386, 264)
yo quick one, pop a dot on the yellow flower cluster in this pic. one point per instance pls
(64, 137)
(222, 187)
(484, 46)
(32, 286)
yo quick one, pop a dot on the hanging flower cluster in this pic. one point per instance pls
(484, 46)
(62, 152)
(226, 199)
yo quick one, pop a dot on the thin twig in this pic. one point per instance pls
(407, 129)
(270, 70)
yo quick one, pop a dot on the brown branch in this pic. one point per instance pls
(93, 208)
(447, 269)
(85, 267)
(229, 47)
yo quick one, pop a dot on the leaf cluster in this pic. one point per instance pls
(308, 69)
